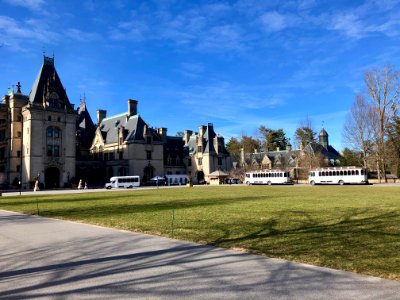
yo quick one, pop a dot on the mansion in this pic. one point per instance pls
(44, 137)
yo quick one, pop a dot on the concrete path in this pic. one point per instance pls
(42, 258)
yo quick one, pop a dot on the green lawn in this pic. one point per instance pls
(354, 228)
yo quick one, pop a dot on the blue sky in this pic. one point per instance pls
(236, 64)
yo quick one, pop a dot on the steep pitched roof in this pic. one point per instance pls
(84, 125)
(48, 89)
(132, 126)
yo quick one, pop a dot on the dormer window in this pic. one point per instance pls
(148, 139)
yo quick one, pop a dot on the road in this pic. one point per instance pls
(43, 258)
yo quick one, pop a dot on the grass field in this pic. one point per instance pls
(354, 228)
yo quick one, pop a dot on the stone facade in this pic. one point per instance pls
(42, 137)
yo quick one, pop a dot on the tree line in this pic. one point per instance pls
(371, 131)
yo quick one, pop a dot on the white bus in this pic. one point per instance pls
(338, 175)
(268, 177)
(123, 182)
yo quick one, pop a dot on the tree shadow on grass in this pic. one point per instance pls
(356, 240)
(112, 264)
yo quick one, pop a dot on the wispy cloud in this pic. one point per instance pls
(34, 5)
(82, 36)
(16, 33)
(274, 21)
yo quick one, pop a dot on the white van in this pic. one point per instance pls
(123, 182)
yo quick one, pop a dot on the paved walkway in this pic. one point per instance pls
(42, 258)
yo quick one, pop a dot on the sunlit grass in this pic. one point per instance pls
(355, 228)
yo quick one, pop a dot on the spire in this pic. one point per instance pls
(323, 138)
(47, 89)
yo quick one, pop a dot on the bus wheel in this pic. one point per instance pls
(269, 183)
(129, 187)
(248, 183)
(312, 182)
(341, 182)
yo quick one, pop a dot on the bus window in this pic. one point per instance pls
(362, 171)
(357, 172)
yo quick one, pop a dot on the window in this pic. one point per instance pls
(49, 118)
(148, 139)
(2, 153)
(200, 161)
(106, 156)
(2, 135)
(18, 168)
(27, 130)
(112, 156)
(120, 155)
(58, 119)
(49, 150)
(148, 155)
(49, 131)
(19, 134)
(56, 150)
(219, 148)
(18, 153)
(56, 132)
(199, 149)
(219, 161)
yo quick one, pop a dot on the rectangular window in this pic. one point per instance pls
(106, 156)
(148, 140)
(219, 161)
(112, 156)
(120, 155)
(199, 149)
(27, 130)
(49, 132)
(2, 135)
(19, 134)
(200, 161)
(148, 155)
(56, 150)
(49, 150)
(2, 153)
(18, 153)
(18, 168)
(56, 132)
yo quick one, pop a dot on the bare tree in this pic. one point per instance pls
(357, 130)
(305, 133)
(383, 88)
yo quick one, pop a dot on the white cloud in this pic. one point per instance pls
(82, 36)
(34, 5)
(349, 24)
(274, 21)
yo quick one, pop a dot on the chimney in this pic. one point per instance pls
(163, 133)
(202, 130)
(186, 136)
(278, 149)
(101, 114)
(132, 107)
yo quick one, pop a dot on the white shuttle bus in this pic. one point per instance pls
(123, 182)
(338, 175)
(268, 177)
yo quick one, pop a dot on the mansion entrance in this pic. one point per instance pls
(52, 178)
